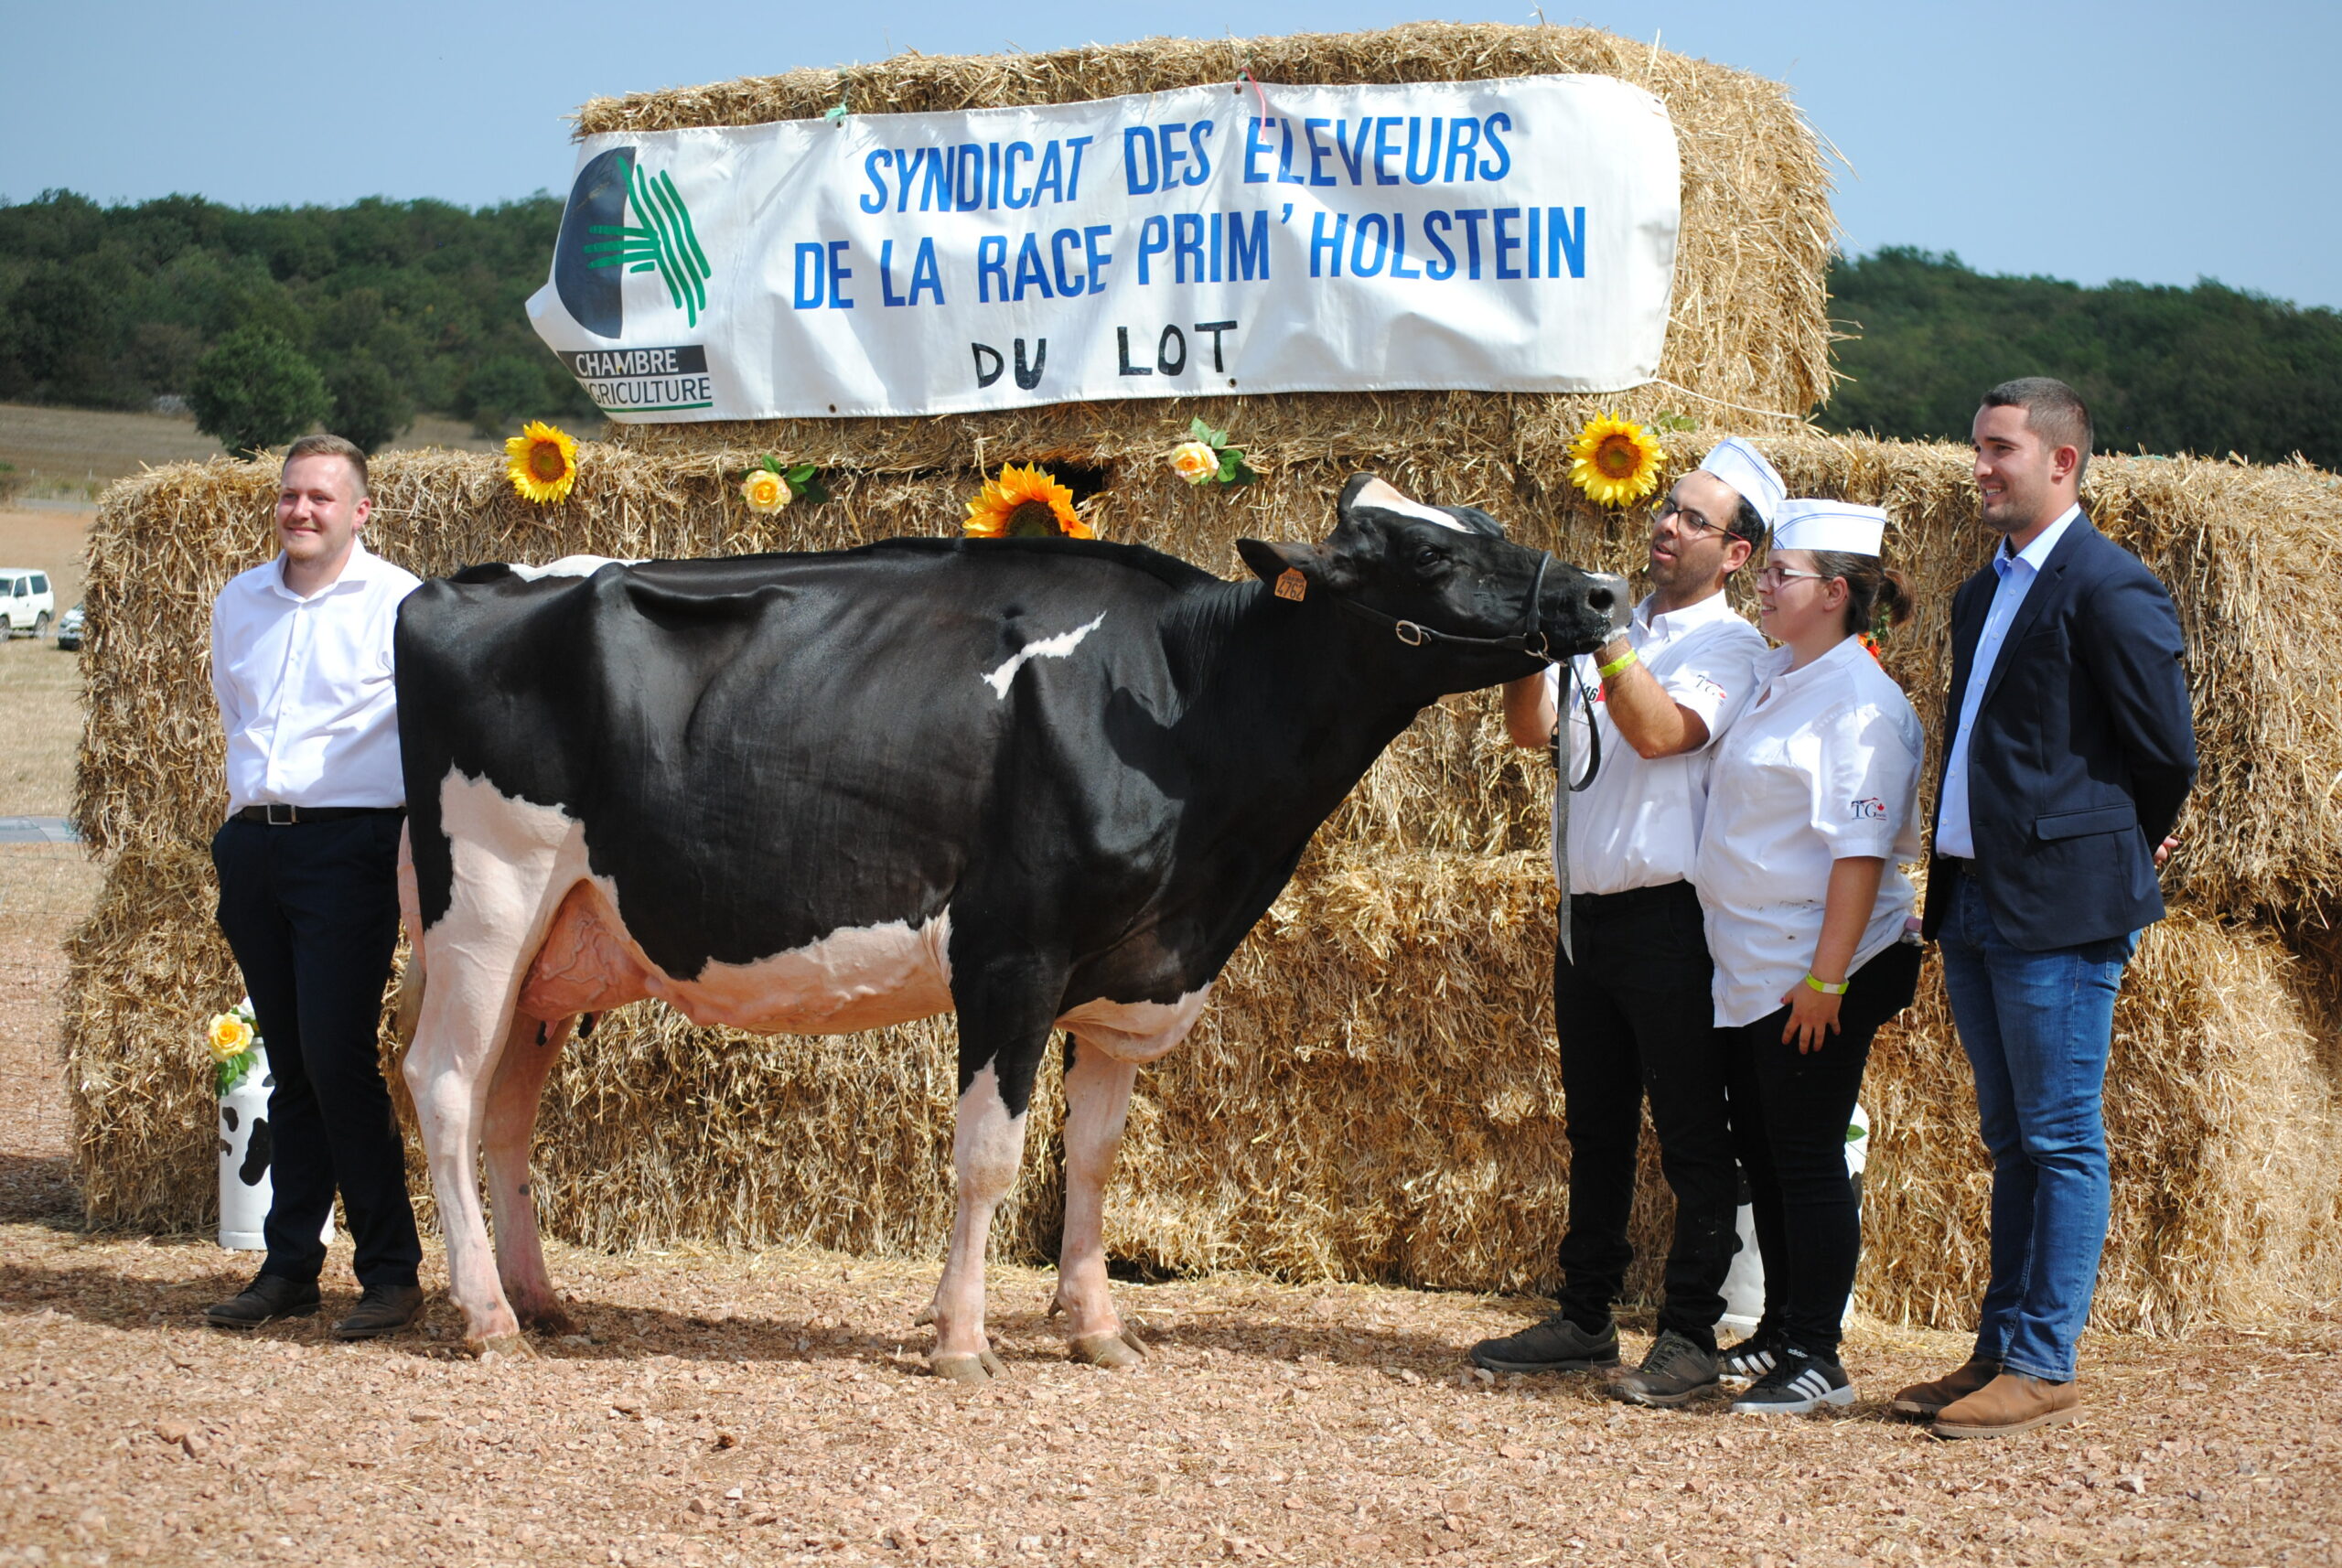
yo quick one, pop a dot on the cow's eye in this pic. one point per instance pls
(1427, 557)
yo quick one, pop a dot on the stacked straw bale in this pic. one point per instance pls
(1749, 327)
(1374, 1092)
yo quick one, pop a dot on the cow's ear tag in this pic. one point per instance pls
(1290, 584)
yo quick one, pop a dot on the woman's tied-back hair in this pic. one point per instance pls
(1873, 588)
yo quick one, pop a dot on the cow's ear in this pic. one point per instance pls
(1268, 561)
(1358, 485)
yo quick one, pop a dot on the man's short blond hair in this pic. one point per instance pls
(323, 445)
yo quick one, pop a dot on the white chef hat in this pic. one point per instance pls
(1741, 466)
(1840, 526)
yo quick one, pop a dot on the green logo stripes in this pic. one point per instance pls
(659, 240)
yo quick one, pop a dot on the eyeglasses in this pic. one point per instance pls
(1699, 526)
(1773, 576)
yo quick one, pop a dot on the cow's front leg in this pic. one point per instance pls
(1097, 1100)
(1004, 1026)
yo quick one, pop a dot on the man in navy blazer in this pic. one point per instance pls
(2067, 755)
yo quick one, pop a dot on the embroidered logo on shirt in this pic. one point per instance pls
(1871, 809)
(1708, 686)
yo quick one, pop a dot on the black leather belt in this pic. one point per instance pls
(282, 816)
(1665, 892)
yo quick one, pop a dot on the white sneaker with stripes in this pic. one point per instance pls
(1798, 1383)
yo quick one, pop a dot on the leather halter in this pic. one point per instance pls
(1529, 640)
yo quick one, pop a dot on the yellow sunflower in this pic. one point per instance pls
(542, 461)
(1025, 503)
(230, 1036)
(1615, 461)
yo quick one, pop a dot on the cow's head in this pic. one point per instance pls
(1445, 579)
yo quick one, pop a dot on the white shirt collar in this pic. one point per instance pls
(1715, 607)
(2036, 554)
(1788, 679)
(355, 572)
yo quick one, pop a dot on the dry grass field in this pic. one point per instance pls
(75, 453)
(40, 685)
(756, 1408)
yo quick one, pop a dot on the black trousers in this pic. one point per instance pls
(311, 913)
(1789, 1118)
(1635, 1019)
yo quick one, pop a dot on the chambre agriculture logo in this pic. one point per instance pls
(598, 244)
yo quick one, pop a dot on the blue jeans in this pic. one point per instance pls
(2036, 1027)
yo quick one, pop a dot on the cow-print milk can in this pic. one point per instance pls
(245, 1149)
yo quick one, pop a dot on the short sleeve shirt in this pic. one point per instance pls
(1638, 824)
(1823, 763)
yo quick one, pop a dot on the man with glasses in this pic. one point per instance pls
(1631, 971)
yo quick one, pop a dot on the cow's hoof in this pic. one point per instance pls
(512, 1346)
(552, 1322)
(1111, 1350)
(959, 1366)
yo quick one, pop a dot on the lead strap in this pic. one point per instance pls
(1566, 789)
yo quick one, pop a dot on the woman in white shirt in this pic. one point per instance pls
(1812, 807)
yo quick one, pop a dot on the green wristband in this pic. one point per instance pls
(1827, 989)
(1616, 665)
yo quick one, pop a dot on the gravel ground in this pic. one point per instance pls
(726, 1407)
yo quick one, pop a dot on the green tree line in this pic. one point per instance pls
(2208, 370)
(362, 316)
(358, 317)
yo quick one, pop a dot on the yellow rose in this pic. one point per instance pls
(230, 1036)
(1195, 461)
(764, 490)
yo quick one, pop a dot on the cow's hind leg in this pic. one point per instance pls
(1004, 1027)
(457, 1043)
(498, 907)
(1097, 1100)
(531, 1046)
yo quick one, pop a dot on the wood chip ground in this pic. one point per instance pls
(729, 1408)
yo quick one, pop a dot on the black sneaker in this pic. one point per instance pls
(1797, 1384)
(1557, 1345)
(1752, 1358)
(1675, 1370)
(266, 1299)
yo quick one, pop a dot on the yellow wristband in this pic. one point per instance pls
(1607, 671)
(1827, 989)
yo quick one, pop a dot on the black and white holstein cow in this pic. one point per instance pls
(1047, 784)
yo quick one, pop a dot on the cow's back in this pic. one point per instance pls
(764, 749)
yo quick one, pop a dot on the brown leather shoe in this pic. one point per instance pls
(1927, 1399)
(2007, 1405)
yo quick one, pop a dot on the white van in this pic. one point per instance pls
(26, 604)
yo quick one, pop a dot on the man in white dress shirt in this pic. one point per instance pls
(1631, 972)
(308, 901)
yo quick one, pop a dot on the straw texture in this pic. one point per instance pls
(1374, 1092)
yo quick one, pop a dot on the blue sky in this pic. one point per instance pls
(2156, 142)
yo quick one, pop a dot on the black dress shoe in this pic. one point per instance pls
(267, 1298)
(382, 1309)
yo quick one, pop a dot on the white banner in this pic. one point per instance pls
(1516, 235)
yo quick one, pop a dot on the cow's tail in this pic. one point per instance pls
(407, 1005)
